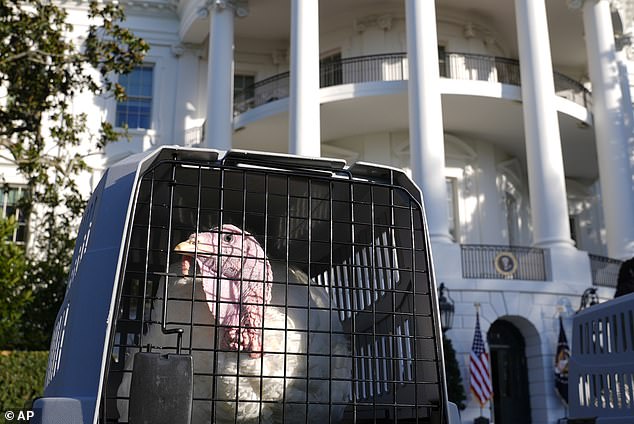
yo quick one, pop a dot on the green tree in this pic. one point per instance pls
(455, 389)
(41, 71)
(14, 295)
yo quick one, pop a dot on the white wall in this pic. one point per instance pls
(535, 315)
(483, 172)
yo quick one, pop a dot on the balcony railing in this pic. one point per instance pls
(194, 136)
(504, 262)
(605, 270)
(393, 67)
(265, 91)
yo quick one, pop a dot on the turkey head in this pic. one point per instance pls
(236, 278)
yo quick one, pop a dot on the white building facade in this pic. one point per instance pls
(514, 118)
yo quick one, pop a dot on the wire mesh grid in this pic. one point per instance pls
(347, 331)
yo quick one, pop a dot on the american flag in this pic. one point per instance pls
(479, 368)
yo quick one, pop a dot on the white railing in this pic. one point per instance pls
(194, 136)
(605, 271)
(601, 373)
(482, 261)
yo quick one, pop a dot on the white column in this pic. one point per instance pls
(612, 142)
(547, 187)
(219, 129)
(628, 109)
(304, 117)
(622, 44)
(427, 150)
(186, 88)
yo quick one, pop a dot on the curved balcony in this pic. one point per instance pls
(393, 67)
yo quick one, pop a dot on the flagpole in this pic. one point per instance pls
(477, 305)
(490, 410)
(477, 308)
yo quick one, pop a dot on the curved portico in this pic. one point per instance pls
(489, 108)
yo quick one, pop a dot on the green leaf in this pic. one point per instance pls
(41, 71)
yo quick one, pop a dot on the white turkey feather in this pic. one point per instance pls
(308, 370)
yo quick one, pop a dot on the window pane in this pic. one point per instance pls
(124, 80)
(9, 208)
(121, 119)
(574, 224)
(12, 196)
(442, 61)
(133, 121)
(20, 234)
(136, 111)
(146, 89)
(331, 71)
(10, 211)
(134, 82)
(146, 82)
(243, 86)
(512, 219)
(144, 121)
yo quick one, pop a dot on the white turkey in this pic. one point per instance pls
(269, 368)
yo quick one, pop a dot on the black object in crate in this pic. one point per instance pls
(161, 388)
(300, 288)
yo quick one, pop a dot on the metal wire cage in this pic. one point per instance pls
(349, 332)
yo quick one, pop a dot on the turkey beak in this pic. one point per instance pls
(185, 248)
(190, 248)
